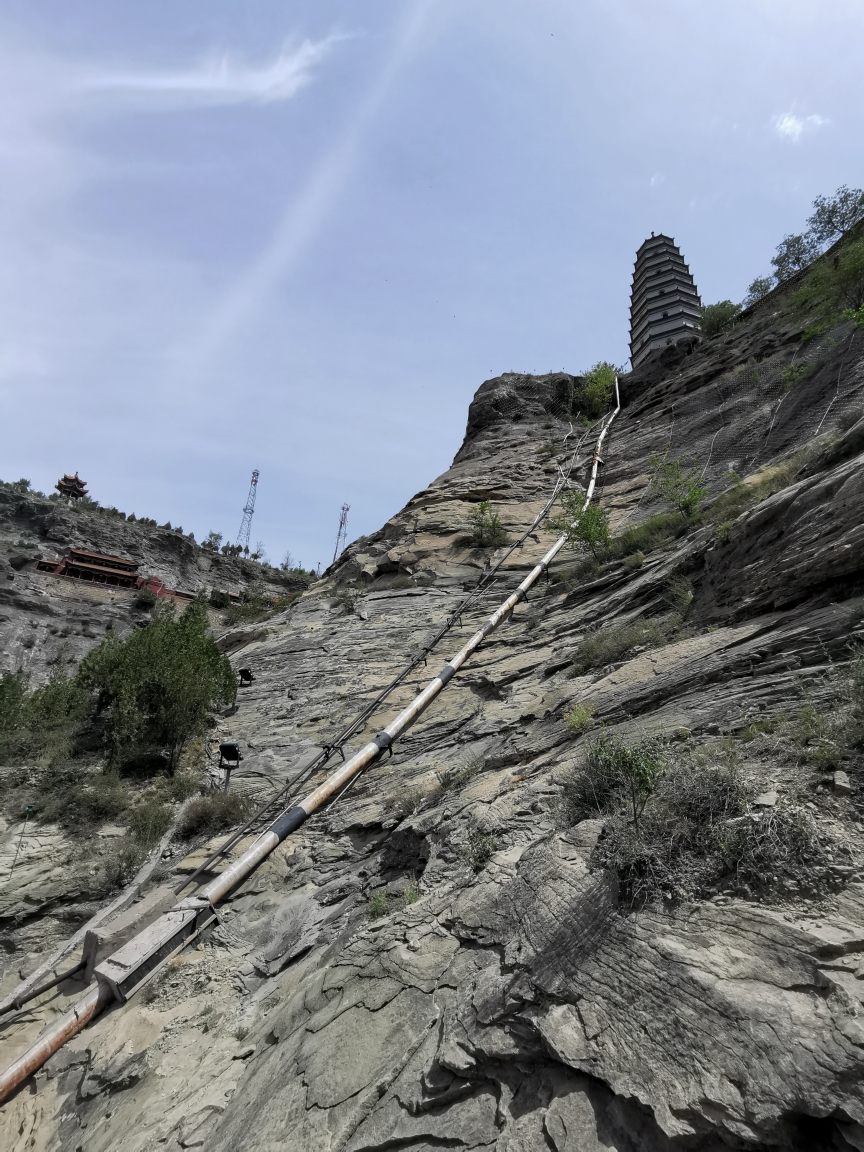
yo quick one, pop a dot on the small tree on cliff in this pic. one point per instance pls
(157, 687)
(680, 485)
(585, 528)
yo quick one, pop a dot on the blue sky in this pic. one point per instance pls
(298, 236)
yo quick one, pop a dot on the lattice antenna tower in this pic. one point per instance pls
(242, 540)
(342, 534)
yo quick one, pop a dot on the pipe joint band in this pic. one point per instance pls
(383, 740)
(447, 673)
(289, 822)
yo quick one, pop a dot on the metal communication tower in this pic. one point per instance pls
(342, 534)
(246, 523)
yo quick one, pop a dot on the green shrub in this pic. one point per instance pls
(412, 892)
(378, 905)
(793, 375)
(77, 800)
(149, 821)
(750, 491)
(612, 642)
(214, 813)
(655, 532)
(145, 597)
(674, 848)
(257, 606)
(12, 696)
(716, 318)
(634, 560)
(585, 527)
(598, 385)
(782, 840)
(677, 484)
(41, 724)
(453, 778)
(480, 850)
(579, 717)
(678, 594)
(157, 687)
(182, 785)
(488, 531)
(120, 863)
(613, 775)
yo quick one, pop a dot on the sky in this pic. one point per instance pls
(298, 236)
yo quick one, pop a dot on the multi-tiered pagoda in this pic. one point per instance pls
(664, 303)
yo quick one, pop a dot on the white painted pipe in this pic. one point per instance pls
(121, 974)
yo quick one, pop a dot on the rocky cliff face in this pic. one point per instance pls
(43, 617)
(509, 997)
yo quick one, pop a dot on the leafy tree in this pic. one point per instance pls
(20, 486)
(678, 485)
(836, 214)
(489, 532)
(12, 693)
(717, 317)
(157, 687)
(212, 541)
(613, 773)
(760, 287)
(585, 528)
(598, 385)
(41, 723)
(793, 253)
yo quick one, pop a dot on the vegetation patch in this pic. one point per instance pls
(480, 849)
(586, 527)
(452, 779)
(214, 813)
(614, 777)
(156, 688)
(678, 483)
(717, 318)
(835, 288)
(487, 529)
(614, 642)
(652, 534)
(748, 492)
(257, 606)
(378, 905)
(579, 717)
(677, 830)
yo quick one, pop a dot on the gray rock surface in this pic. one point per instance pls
(520, 1006)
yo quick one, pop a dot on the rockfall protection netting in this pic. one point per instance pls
(761, 410)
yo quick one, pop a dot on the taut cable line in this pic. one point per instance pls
(127, 970)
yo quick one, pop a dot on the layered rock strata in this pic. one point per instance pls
(518, 1005)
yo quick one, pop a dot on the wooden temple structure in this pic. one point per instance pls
(73, 487)
(109, 572)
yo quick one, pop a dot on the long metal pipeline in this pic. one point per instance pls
(122, 974)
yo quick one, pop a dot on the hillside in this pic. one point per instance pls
(460, 953)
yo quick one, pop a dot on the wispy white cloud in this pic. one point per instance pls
(223, 80)
(305, 217)
(788, 126)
